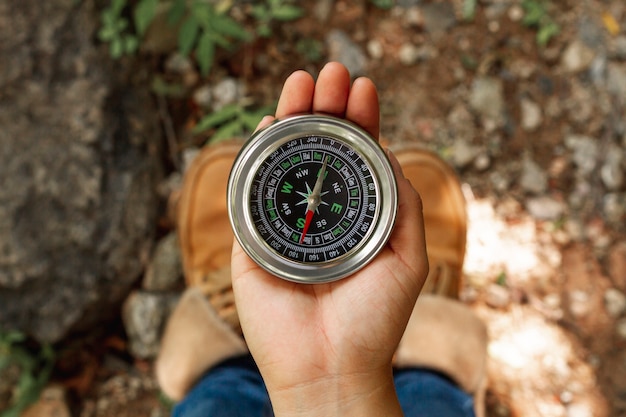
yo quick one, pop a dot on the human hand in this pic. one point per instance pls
(326, 349)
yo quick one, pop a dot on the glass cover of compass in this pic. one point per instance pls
(312, 198)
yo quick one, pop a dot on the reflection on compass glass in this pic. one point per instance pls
(308, 225)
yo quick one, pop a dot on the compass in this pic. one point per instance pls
(312, 198)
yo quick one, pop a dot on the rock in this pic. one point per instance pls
(617, 265)
(410, 54)
(612, 171)
(614, 208)
(545, 208)
(51, 403)
(341, 48)
(585, 153)
(531, 115)
(616, 80)
(619, 47)
(202, 96)
(577, 57)
(144, 315)
(165, 270)
(498, 296)
(227, 91)
(614, 302)
(487, 98)
(620, 328)
(79, 168)
(438, 17)
(375, 49)
(177, 63)
(463, 154)
(579, 303)
(533, 179)
(323, 9)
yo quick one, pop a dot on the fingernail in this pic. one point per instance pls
(397, 168)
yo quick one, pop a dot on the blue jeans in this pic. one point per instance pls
(235, 389)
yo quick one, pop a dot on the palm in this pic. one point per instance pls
(352, 325)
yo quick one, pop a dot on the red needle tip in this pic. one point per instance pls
(307, 223)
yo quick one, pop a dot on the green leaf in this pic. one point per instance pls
(187, 35)
(117, 6)
(260, 12)
(228, 131)
(116, 48)
(215, 119)
(205, 53)
(229, 27)
(176, 12)
(144, 14)
(287, 12)
(131, 44)
(469, 9)
(547, 32)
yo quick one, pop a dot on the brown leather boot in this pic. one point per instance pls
(443, 334)
(204, 231)
(204, 328)
(445, 217)
(195, 339)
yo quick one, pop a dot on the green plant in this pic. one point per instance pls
(272, 10)
(537, 16)
(469, 9)
(231, 121)
(115, 30)
(204, 28)
(34, 367)
(310, 49)
(383, 4)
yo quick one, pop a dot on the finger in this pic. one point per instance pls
(297, 94)
(332, 90)
(408, 237)
(363, 108)
(265, 122)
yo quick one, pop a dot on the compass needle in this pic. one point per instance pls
(314, 200)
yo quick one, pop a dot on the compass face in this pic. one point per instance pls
(312, 198)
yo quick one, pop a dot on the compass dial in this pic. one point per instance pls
(312, 198)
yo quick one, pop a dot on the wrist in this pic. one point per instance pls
(371, 394)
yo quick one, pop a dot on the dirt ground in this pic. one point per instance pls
(544, 287)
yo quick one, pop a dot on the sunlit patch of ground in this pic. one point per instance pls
(535, 368)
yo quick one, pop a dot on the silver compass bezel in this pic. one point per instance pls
(260, 146)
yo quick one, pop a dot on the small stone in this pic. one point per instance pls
(463, 153)
(178, 64)
(438, 17)
(144, 316)
(534, 179)
(482, 161)
(531, 115)
(577, 57)
(375, 49)
(227, 91)
(165, 270)
(612, 171)
(545, 208)
(585, 153)
(342, 49)
(619, 47)
(516, 13)
(52, 402)
(616, 80)
(410, 54)
(579, 303)
(487, 98)
(614, 302)
(202, 96)
(187, 156)
(614, 207)
(498, 296)
(620, 328)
